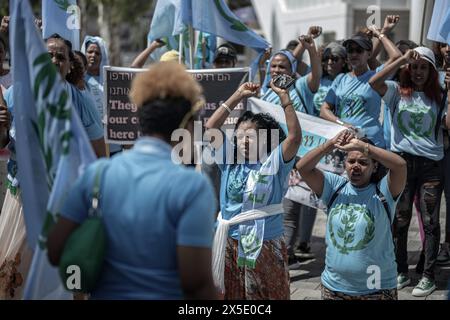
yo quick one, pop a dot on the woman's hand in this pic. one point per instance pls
(266, 56)
(447, 79)
(351, 144)
(390, 23)
(314, 31)
(282, 93)
(410, 56)
(247, 89)
(307, 42)
(374, 31)
(4, 26)
(5, 117)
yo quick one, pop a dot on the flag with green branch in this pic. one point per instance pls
(51, 144)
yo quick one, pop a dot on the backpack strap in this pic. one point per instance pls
(384, 202)
(335, 194)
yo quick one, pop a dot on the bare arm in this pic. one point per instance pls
(313, 78)
(390, 23)
(294, 136)
(307, 165)
(99, 147)
(395, 163)
(194, 265)
(378, 81)
(140, 60)
(216, 121)
(57, 239)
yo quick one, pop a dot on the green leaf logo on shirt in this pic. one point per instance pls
(351, 106)
(345, 235)
(415, 127)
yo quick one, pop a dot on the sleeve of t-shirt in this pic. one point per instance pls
(302, 87)
(90, 118)
(384, 188)
(331, 182)
(76, 205)
(331, 97)
(392, 96)
(196, 222)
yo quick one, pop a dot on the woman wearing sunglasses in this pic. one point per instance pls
(351, 101)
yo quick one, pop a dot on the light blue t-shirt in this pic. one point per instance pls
(86, 111)
(233, 186)
(356, 103)
(358, 238)
(320, 95)
(150, 206)
(413, 123)
(300, 88)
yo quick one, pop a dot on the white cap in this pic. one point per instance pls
(427, 54)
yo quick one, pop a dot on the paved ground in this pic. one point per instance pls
(305, 283)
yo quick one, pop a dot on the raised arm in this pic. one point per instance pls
(395, 163)
(313, 78)
(313, 32)
(327, 113)
(378, 81)
(140, 60)
(246, 90)
(307, 165)
(390, 23)
(294, 135)
(4, 25)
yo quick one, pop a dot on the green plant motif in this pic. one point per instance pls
(250, 243)
(348, 220)
(62, 4)
(355, 106)
(416, 114)
(236, 24)
(47, 73)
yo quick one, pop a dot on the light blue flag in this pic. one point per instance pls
(445, 29)
(440, 22)
(215, 17)
(167, 20)
(62, 17)
(51, 144)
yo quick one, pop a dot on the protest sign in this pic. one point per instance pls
(315, 131)
(122, 124)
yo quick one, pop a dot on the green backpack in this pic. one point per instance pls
(82, 259)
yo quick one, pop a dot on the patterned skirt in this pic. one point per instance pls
(328, 294)
(268, 281)
(15, 255)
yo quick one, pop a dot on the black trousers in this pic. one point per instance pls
(425, 178)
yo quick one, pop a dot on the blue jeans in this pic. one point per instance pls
(298, 223)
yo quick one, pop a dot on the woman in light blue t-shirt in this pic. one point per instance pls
(360, 258)
(255, 167)
(351, 101)
(418, 108)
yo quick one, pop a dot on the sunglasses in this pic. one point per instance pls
(358, 50)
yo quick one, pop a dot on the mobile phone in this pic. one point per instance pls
(283, 81)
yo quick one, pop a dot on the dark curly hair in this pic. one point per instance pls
(163, 116)
(262, 121)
